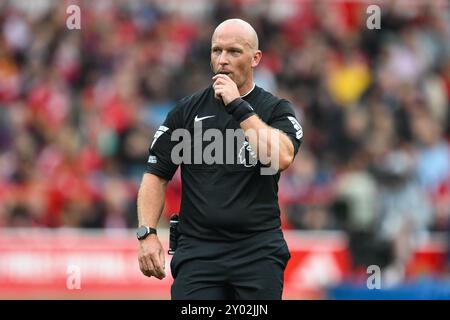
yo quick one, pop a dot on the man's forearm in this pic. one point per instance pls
(271, 145)
(150, 201)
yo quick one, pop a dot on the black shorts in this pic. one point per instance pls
(250, 269)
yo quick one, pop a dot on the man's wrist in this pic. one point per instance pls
(240, 109)
(144, 231)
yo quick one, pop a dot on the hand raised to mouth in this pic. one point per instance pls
(225, 88)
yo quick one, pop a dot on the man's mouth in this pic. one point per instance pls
(224, 72)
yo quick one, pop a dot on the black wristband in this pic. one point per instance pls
(240, 109)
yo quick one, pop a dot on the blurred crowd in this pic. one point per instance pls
(78, 109)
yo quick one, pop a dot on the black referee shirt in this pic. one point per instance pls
(223, 200)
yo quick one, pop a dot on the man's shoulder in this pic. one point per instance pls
(184, 106)
(270, 99)
(192, 99)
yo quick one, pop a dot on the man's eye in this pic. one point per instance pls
(216, 51)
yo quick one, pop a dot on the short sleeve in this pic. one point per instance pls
(283, 118)
(160, 162)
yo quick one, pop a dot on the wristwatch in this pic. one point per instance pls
(143, 231)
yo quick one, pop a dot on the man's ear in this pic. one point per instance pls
(256, 58)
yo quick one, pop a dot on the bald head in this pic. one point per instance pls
(240, 29)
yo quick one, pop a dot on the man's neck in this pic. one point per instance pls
(246, 91)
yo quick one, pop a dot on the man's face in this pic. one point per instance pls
(231, 54)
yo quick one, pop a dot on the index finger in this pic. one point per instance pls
(221, 75)
(162, 258)
(160, 273)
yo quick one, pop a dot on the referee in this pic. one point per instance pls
(231, 245)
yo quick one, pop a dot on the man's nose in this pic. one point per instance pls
(223, 58)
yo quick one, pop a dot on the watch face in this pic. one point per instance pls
(141, 232)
